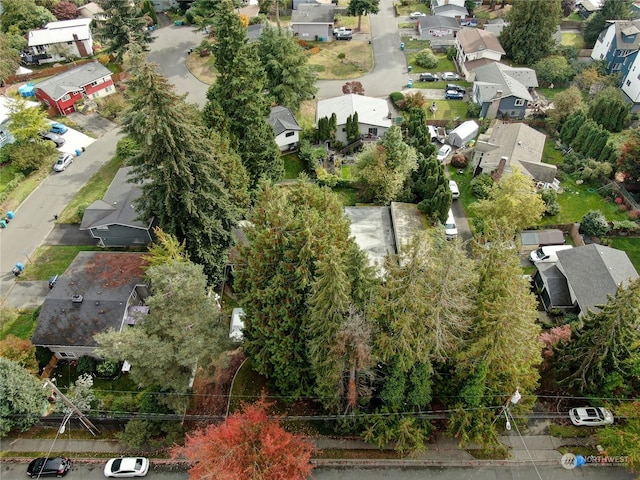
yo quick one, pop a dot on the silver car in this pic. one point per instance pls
(64, 160)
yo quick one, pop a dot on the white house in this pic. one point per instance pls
(91, 10)
(374, 117)
(476, 47)
(57, 40)
(285, 127)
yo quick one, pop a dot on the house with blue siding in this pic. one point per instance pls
(503, 91)
(616, 43)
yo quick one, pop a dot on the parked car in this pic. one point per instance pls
(124, 467)
(344, 36)
(450, 228)
(453, 95)
(415, 15)
(64, 160)
(548, 254)
(455, 191)
(48, 467)
(443, 153)
(590, 416)
(52, 137)
(457, 88)
(448, 76)
(58, 128)
(429, 77)
(338, 30)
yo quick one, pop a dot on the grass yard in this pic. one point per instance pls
(93, 190)
(358, 60)
(549, 93)
(572, 39)
(11, 200)
(444, 64)
(348, 195)
(463, 180)
(21, 325)
(307, 115)
(293, 166)
(203, 68)
(247, 386)
(405, 10)
(550, 155)
(447, 109)
(52, 260)
(629, 245)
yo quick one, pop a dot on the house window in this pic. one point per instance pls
(344, 129)
(290, 134)
(69, 43)
(519, 102)
(103, 228)
(134, 294)
(97, 82)
(616, 67)
(373, 131)
(66, 355)
(65, 98)
(628, 82)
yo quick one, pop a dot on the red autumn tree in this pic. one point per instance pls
(65, 10)
(353, 87)
(247, 445)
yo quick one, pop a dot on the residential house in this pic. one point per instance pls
(495, 26)
(93, 11)
(503, 91)
(587, 7)
(583, 278)
(114, 220)
(285, 128)
(5, 110)
(449, 8)
(374, 117)
(617, 43)
(313, 22)
(60, 40)
(164, 5)
(88, 81)
(98, 292)
(512, 145)
(475, 48)
(631, 81)
(439, 31)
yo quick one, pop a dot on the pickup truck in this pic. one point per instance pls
(342, 30)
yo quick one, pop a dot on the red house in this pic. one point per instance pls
(89, 81)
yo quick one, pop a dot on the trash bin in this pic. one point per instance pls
(78, 152)
(10, 215)
(401, 45)
(409, 68)
(410, 83)
(178, 23)
(3, 224)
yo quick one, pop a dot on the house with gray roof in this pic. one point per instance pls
(374, 117)
(474, 44)
(114, 220)
(439, 30)
(313, 22)
(450, 10)
(512, 145)
(503, 91)
(587, 7)
(583, 278)
(88, 81)
(99, 291)
(285, 128)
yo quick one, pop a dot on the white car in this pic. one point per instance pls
(415, 15)
(590, 416)
(443, 153)
(125, 467)
(449, 76)
(63, 161)
(455, 191)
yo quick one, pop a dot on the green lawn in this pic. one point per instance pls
(347, 195)
(629, 245)
(550, 154)
(22, 326)
(444, 64)
(446, 109)
(293, 166)
(573, 39)
(52, 260)
(549, 93)
(463, 180)
(575, 17)
(247, 386)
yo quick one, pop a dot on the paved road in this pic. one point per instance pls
(34, 218)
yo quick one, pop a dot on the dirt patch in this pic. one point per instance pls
(203, 68)
(307, 114)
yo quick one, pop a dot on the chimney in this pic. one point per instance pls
(82, 51)
(498, 94)
(497, 173)
(76, 298)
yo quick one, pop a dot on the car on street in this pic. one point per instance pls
(126, 467)
(590, 416)
(443, 153)
(49, 467)
(52, 137)
(429, 77)
(58, 128)
(455, 191)
(63, 161)
(457, 88)
(449, 76)
(416, 15)
(453, 95)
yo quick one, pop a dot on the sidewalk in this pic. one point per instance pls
(442, 452)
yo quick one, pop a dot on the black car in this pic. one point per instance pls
(428, 77)
(49, 467)
(52, 137)
(455, 88)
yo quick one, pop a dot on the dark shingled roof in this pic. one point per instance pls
(281, 119)
(556, 283)
(105, 280)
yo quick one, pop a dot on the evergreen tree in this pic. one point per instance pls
(609, 109)
(289, 78)
(10, 58)
(180, 171)
(528, 37)
(353, 127)
(124, 26)
(571, 127)
(362, 7)
(604, 358)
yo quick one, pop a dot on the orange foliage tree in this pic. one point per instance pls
(20, 351)
(247, 445)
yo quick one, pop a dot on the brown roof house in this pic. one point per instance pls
(99, 291)
(475, 48)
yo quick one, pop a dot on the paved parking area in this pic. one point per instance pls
(92, 122)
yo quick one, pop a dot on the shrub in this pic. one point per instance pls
(634, 214)
(30, 157)
(108, 368)
(397, 98)
(481, 185)
(458, 160)
(43, 356)
(112, 106)
(5, 153)
(550, 199)
(86, 365)
(80, 212)
(594, 224)
(473, 110)
(127, 147)
(426, 59)
(414, 100)
(311, 156)
(452, 52)
(124, 403)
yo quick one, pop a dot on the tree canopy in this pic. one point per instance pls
(20, 16)
(362, 7)
(10, 58)
(529, 35)
(124, 26)
(26, 122)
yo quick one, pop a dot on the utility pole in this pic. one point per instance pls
(81, 416)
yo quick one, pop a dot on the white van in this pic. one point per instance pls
(237, 325)
(547, 254)
(450, 229)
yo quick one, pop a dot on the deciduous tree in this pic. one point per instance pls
(249, 444)
(20, 351)
(20, 16)
(65, 10)
(362, 7)
(10, 58)
(529, 35)
(26, 122)
(123, 28)
(629, 162)
(565, 103)
(554, 69)
(353, 87)
(22, 399)
(624, 439)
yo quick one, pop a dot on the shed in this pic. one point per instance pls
(463, 133)
(532, 239)
(237, 325)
